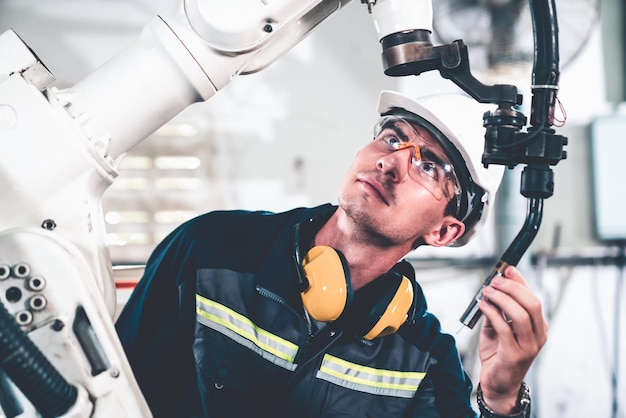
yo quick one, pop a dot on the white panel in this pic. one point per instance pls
(608, 147)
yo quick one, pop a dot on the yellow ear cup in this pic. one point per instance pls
(327, 294)
(396, 313)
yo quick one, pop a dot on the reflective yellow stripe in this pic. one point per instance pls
(240, 329)
(369, 379)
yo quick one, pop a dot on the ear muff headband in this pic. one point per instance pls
(329, 291)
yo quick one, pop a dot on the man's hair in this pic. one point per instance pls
(451, 208)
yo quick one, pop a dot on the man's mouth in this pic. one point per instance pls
(377, 188)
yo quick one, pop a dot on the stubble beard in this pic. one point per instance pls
(366, 227)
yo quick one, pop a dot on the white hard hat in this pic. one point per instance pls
(455, 119)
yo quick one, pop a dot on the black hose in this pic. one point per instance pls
(31, 372)
(511, 257)
(546, 71)
(9, 404)
(527, 233)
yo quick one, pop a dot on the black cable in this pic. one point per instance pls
(31, 371)
(9, 403)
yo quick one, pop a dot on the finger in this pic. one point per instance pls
(511, 272)
(496, 327)
(506, 309)
(524, 297)
(508, 316)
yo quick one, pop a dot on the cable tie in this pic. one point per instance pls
(545, 86)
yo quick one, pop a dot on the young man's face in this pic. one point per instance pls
(392, 195)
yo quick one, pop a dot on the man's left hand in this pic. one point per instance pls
(513, 333)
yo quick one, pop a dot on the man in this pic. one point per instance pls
(310, 313)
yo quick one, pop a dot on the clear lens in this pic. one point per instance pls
(428, 167)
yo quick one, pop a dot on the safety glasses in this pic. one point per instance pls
(427, 167)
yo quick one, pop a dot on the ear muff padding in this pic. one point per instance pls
(329, 290)
(381, 307)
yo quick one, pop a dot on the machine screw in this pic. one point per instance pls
(24, 318)
(5, 271)
(58, 325)
(36, 283)
(21, 270)
(37, 302)
(48, 224)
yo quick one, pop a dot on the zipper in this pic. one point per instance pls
(278, 299)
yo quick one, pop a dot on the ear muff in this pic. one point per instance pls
(381, 307)
(329, 289)
(396, 312)
(376, 310)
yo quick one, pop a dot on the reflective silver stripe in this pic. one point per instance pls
(368, 379)
(240, 329)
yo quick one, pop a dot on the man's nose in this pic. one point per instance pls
(396, 164)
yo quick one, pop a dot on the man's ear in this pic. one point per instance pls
(450, 229)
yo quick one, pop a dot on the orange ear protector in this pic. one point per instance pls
(382, 306)
(329, 289)
(378, 309)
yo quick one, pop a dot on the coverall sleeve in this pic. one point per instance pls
(447, 389)
(156, 327)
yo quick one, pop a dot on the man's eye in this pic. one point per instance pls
(429, 168)
(392, 140)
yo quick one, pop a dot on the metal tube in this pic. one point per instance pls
(511, 257)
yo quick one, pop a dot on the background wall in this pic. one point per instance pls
(283, 137)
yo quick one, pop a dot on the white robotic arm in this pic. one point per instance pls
(194, 49)
(61, 150)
